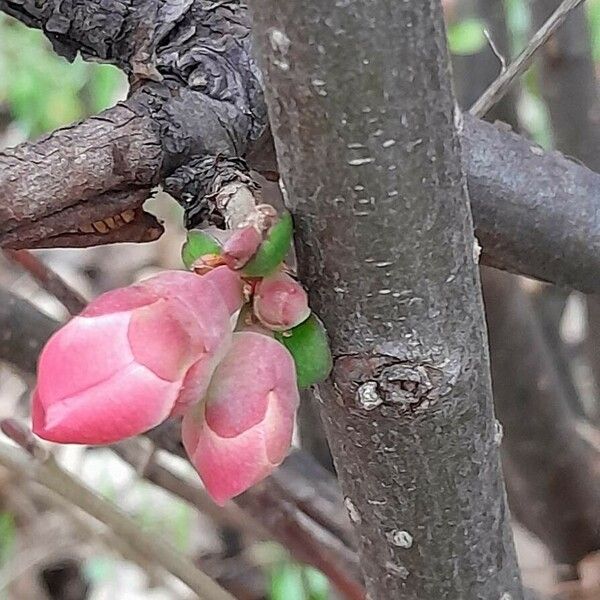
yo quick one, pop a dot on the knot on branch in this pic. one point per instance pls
(392, 385)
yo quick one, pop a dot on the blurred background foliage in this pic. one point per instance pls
(39, 92)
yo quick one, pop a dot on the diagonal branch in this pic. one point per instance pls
(500, 86)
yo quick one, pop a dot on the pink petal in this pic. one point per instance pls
(85, 352)
(280, 302)
(244, 427)
(120, 300)
(159, 339)
(229, 466)
(129, 403)
(237, 397)
(204, 302)
(229, 285)
(241, 246)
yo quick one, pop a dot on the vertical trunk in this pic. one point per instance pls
(364, 120)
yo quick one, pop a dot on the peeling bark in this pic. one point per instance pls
(371, 164)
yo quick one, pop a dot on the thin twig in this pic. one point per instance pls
(51, 281)
(45, 470)
(495, 50)
(500, 86)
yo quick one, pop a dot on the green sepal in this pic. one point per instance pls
(197, 244)
(309, 346)
(273, 250)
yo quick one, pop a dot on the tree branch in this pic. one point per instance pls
(535, 213)
(43, 469)
(370, 161)
(23, 332)
(499, 87)
(551, 471)
(53, 283)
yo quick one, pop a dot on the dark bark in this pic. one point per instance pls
(536, 213)
(197, 96)
(23, 332)
(371, 164)
(551, 472)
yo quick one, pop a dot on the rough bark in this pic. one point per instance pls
(370, 160)
(551, 472)
(536, 213)
(196, 96)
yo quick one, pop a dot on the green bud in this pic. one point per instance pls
(273, 250)
(197, 244)
(309, 346)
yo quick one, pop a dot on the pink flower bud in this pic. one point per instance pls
(134, 356)
(280, 302)
(243, 429)
(241, 246)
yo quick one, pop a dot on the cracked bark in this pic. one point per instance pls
(385, 245)
(200, 95)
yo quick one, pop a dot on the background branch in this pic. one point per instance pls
(43, 469)
(499, 87)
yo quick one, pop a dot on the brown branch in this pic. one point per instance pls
(51, 281)
(500, 86)
(535, 214)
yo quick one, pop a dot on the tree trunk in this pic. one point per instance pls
(364, 121)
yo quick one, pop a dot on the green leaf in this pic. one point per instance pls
(8, 534)
(309, 346)
(273, 250)
(286, 583)
(198, 243)
(466, 37)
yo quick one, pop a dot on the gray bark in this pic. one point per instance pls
(536, 213)
(370, 159)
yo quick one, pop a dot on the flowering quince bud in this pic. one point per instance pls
(241, 246)
(243, 428)
(134, 356)
(280, 302)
